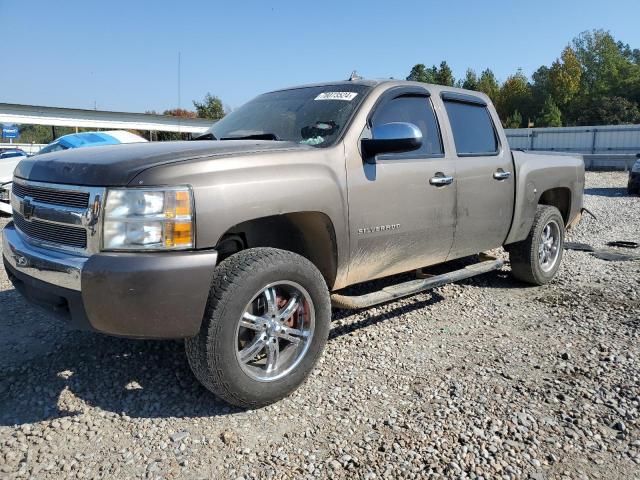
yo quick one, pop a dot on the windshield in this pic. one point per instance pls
(53, 147)
(310, 115)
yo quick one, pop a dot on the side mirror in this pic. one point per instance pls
(396, 137)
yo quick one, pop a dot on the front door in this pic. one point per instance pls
(402, 207)
(484, 177)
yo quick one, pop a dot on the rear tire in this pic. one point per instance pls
(537, 258)
(245, 319)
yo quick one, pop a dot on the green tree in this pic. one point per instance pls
(607, 111)
(514, 120)
(595, 80)
(540, 79)
(420, 73)
(488, 84)
(439, 76)
(633, 55)
(37, 134)
(444, 75)
(550, 115)
(564, 77)
(180, 112)
(515, 94)
(601, 60)
(174, 112)
(470, 81)
(44, 133)
(211, 107)
(540, 88)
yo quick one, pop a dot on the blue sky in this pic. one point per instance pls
(123, 55)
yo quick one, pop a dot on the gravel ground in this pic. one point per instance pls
(486, 378)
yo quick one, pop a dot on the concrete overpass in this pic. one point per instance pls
(11, 113)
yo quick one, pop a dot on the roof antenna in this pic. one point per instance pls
(354, 76)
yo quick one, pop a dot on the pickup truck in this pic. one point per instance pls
(241, 242)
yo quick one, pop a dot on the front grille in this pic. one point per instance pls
(52, 196)
(50, 232)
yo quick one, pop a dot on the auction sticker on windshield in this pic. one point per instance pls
(348, 96)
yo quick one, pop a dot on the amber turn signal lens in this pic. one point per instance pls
(177, 203)
(183, 203)
(178, 235)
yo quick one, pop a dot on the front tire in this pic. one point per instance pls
(537, 258)
(265, 327)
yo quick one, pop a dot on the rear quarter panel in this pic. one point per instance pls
(537, 173)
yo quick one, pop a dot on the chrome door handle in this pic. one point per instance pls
(440, 180)
(501, 175)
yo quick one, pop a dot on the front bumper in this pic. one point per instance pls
(138, 295)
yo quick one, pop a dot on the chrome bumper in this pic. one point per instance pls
(150, 295)
(61, 269)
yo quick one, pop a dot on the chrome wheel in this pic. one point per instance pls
(549, 246)
(275, 331)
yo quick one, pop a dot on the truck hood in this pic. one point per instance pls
(117, 165)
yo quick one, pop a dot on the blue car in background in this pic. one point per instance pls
(91, 139)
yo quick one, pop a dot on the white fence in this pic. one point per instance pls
(606, 139)
(30, 148)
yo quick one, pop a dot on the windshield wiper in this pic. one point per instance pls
(255, 136)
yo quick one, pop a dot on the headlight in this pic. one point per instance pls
(148, 219)
(636, 167)
(5, 190)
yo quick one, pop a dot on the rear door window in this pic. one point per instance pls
(414, 109)
(472, 128)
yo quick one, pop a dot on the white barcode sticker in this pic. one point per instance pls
(347, 96)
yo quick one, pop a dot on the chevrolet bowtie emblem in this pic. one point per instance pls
(27, 208)
(21, 261)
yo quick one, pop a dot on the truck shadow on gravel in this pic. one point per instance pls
(140, 379)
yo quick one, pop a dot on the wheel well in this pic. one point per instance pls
(560, 198)
(310, 234)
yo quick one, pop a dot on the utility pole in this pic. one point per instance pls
(179, 79)
(179, 92)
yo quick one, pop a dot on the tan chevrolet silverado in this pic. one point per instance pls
(242, 242)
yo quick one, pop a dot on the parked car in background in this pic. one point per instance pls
(9, 158)
(92, 139)
(633, 187)
(12, 153)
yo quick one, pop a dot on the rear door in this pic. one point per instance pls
(484, 176)
(399, 218)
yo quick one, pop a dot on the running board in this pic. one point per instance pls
(412, 287)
